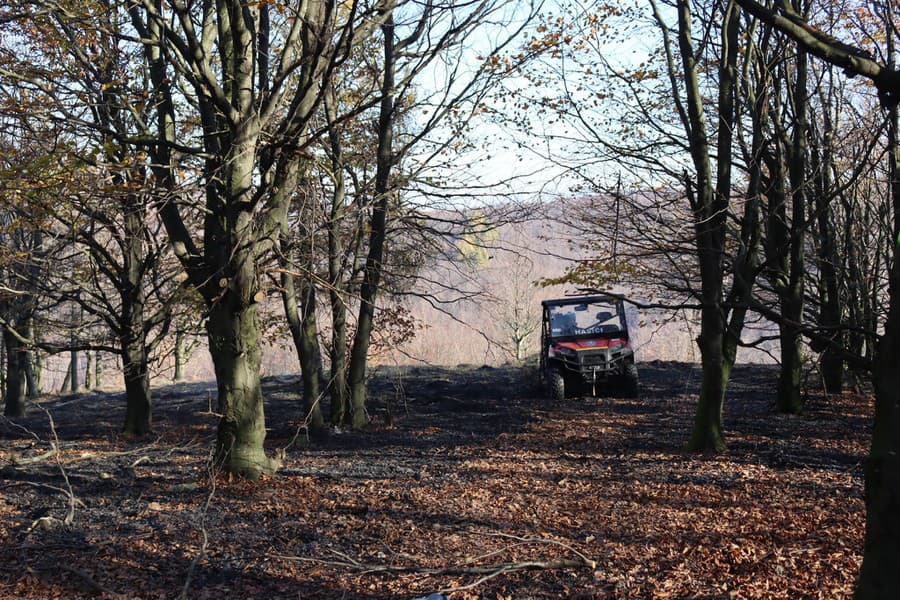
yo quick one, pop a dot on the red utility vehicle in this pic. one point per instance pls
(585, 345)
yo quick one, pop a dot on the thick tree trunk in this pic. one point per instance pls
(707, 432)
(98, 369)
(789, 396)
(14, 384)
(133, 330)
(831, 365)
(32, 380)
(234, 347)
(710, 202)
(789, 379)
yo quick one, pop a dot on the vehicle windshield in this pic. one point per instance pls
(590, 318)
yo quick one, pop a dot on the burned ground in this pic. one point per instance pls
(467, 480)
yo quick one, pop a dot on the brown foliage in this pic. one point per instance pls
(478, 471)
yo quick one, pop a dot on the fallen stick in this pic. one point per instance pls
(486, 572)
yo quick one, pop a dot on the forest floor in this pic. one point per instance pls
(478, 488)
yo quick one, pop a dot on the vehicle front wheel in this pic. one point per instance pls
(557, 385)
(630, 381)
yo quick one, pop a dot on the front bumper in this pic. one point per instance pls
(594, 364)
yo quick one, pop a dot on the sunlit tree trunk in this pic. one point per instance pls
(301, 320)
(709, 202)
(180, 356)
(378, 235)
(337, 294)
(234, 346)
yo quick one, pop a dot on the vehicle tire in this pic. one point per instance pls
(630, 381)
(557, 383)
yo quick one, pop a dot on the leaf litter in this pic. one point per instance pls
(480, 488)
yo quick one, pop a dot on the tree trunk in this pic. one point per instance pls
(179, 357)
(234, 347)
(98, 369)
(132, 322)
(138, 406)
(831, 364)
(707, 432)
(372, 273)
(337, 294)
(33, 384)
(789, 379)
(881, 556)
(74, 384)
(14, 385)
(32, 365)
(302, 324)
(88, 366)
(68, 377)
(879, 576)
(789, 396)
(710, 204)
(339, 392)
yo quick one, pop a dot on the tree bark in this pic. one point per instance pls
(372, 273)
(234, 347)
(337, 293)
(789, 392)
(88, 367)
(14, 384)
(32, 367)
(831, 364)
(74, 384)
(880, 576)
(304, 331)
(98, 368)
(138, 405)
(710, 201)
(179, 357)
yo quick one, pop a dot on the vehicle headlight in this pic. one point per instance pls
(617, 346)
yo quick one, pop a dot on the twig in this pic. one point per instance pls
(54, 452)
(537, 540)
(70, 516)
(486, 572)
(44, 485)
(493, 570)
(11, 423)
(204, 536)
(31, 460)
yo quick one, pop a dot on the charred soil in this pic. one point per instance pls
(468, 482)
